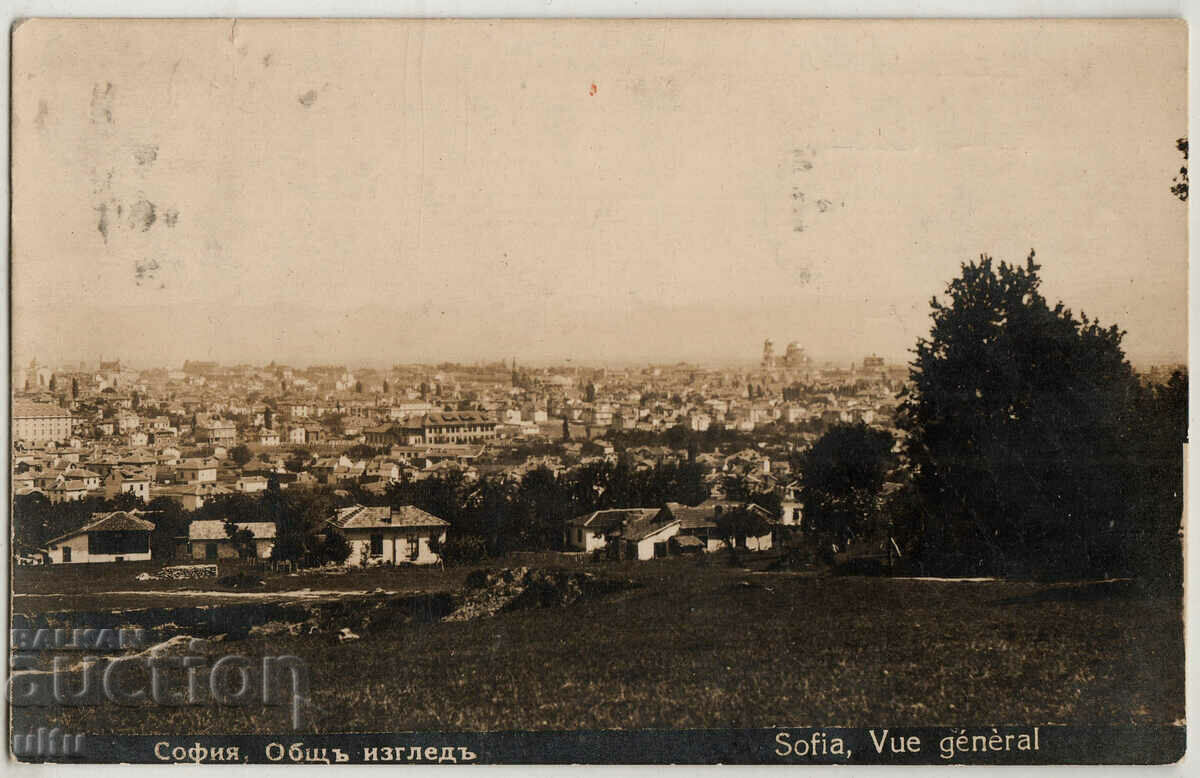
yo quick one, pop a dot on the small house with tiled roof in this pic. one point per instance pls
(390, 536)
(120, 536)
(592, 530)
(208, 540)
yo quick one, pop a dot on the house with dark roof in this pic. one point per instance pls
(389, 536)
(593, 530)
(120, 536)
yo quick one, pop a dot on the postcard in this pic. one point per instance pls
(598, 391)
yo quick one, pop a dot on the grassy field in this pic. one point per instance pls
(700, 644)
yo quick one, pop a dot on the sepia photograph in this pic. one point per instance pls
(597, 391)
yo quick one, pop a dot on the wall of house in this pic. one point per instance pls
(137, 488)
(58, 496)
(758, 544)
(78, 546)
(645, 546)
(395, 546)
(585, 539)
(225, 549)
(593, 540)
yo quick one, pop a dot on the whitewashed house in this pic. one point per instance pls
(591, 530)
(382, 535)
(120, 536)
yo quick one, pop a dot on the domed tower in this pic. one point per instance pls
(795, 356)
(768, 355)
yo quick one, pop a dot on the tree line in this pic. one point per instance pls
(496, 512)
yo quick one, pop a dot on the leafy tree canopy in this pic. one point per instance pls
(841, 479)
(1022, 422)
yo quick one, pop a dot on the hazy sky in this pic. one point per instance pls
(319, 192)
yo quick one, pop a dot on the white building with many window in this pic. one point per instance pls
(40, 422)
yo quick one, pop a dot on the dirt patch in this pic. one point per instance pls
(490, 592)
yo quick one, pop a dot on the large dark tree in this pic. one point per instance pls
(301, 527)
(1153, 536)
(841, 480)
(1022, 422)
(170, 526)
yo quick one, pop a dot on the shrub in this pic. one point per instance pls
(460, 549)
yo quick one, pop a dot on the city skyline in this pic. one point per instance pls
(432, 194)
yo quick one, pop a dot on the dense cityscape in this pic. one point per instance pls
(200, 433)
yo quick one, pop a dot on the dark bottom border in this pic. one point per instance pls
(802, 745)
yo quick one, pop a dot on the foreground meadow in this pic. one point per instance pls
(701, 644)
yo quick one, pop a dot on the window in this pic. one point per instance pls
(414, 547)
(377, 544)
(66, 553)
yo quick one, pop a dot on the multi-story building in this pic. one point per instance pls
(198, 470)
(458, 427)
(434, 429)
(394, 435)
(122, 481)
(40, 422)
(216, 432)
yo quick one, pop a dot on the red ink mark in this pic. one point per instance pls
(592, 91)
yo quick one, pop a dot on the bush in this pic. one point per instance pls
(460, 549)
(334, 548)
